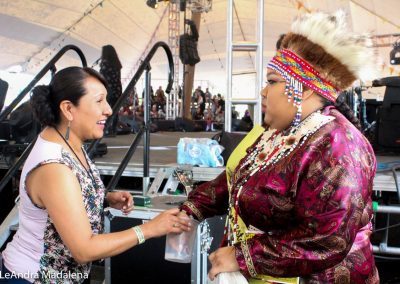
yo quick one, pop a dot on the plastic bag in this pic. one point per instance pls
(228, 278)
(203, 152)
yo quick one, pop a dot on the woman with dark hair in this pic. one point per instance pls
(61, 193)
(298, 192)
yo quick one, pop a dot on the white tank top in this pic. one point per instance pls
(36, 248)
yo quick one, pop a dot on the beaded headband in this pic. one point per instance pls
(303, 72)
(297, 73)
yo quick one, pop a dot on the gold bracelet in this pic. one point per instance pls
(139, 234)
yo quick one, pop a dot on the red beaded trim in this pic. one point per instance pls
(304, 73)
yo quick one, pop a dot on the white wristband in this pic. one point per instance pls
(139, 234)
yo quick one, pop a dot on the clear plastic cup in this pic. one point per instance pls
(179, 247)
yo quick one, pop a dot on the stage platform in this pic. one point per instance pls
(163, 154)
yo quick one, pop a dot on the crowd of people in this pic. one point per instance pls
(131, 113)
(205, 107)
(211, 109)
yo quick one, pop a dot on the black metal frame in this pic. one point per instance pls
(49, 66)
(145, 129)
(45, 69)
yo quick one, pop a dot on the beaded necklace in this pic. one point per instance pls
(89, 169)
(272, 146)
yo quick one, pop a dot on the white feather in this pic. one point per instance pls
(331, 33)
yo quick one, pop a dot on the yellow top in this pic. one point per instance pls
(231, 164)
(240, 150)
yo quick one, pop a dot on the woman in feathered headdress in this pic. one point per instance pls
(299, 197)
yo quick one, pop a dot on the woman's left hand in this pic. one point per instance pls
(120, 200)
(222, 260)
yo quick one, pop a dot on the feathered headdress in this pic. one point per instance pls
(321, 54)
(330, 32)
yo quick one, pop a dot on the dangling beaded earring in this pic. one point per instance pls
(298, 94)
(294, 89)
(68, 129)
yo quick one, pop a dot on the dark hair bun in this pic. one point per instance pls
(41, 104)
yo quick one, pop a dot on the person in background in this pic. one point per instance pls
(110, 69)
(208, 95)
(161, 114)
(154, 112)
(160, 99)
(152, 95)
(61, 192)
(200, 99)
(198, 114)
(246, 123)
(299, 191)
(219, 117)
(209, 120)
(221, 102)
(235, 113)
(127, 115)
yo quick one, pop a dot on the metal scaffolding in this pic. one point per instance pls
(172, 106)
(257, 47)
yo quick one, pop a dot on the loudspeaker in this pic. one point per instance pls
(184, 124)
(188, 50)
(388, 115)
(24, 127)
(372, 106)
(5, 130)
(395, 54)
(165, 125)
(388, 128)
(188, 45)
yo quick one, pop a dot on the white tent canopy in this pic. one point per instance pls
(32, 31)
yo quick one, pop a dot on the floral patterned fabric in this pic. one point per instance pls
(57, 264)
(313, 207)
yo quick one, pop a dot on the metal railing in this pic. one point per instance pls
(49, 66)
(145, 129)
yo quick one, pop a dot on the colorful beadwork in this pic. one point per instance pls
(297, 73)
(303, 72)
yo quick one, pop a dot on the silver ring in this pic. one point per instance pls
(175, 225)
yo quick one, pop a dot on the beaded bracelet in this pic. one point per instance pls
(139, 234)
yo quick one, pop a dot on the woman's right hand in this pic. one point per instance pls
(169, 221)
